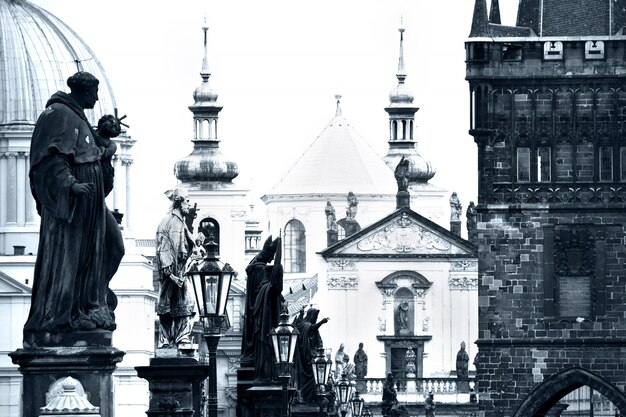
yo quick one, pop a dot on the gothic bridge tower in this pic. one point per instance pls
(548, 115)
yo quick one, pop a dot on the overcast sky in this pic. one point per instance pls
(277, 65)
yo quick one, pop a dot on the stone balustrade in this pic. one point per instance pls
(446, 390)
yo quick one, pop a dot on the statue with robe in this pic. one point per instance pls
(353, 202)
(263, 308)
(309, 341)
(462, 363)
(174, 246)
(471, 217)
(360, 362)
(402, 173)
(80, 243)
(456, 209)
(390, 395)
(402, 323)
(331, 218)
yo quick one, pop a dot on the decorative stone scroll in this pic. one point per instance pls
(343, 282)
(457, 282)
(404, 235)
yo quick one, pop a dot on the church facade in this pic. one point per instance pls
(548, 117)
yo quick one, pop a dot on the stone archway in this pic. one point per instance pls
(541, 399)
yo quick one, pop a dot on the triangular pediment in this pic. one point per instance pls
(403, 233)
(9, 285)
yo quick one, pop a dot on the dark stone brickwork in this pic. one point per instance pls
(552, 249)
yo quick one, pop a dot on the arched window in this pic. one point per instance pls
(295, 247)
(210, 227)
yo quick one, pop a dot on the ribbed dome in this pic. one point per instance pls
(204, 94)
(38, 52)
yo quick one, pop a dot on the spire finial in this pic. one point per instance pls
(338, 111)
(401, 71)
(205, 73)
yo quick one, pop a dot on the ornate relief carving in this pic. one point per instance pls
(402, 236)
(462, 282)
(566, 193)
(233, 364)
(382, 324)
(343, 283)
(574, 252)
(426, 324)
(341, 265)
(464, 266)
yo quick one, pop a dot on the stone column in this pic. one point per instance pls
(128, 164)
(21, 178)
(31, 209)
(3, 189)
(92, 366)
(11, 181)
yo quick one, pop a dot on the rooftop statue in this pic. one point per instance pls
(401, 173)
(80, 244)
(456, 209)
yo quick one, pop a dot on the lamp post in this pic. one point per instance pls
(344, 389)
(321, 372)
(211, 281)
(357, 404)
(284, 338)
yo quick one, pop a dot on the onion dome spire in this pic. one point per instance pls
(402, 141)
(206, 167)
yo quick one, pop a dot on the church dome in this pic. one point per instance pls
(38, 53)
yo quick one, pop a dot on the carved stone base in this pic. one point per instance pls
(92, 366)
(403, 199)
(175, 386)
(269, 401)
(305, 410)
(332, 237)
(245, 378)
(455, 227)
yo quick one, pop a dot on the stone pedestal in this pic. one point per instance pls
(92, 366)
(305, 410)
(245, 378)
(175, 386)
(462, 385)
(351, 227)
(455, 227)
(403, 199)
(332, 237)
(268, 401)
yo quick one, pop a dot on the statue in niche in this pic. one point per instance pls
(331, 219)
(353, 202)
(80, 243)
(360, 362)
(401, 173)
(462, 361)
(174, 247)
(456, 209)
(309, 341)
(402, 322)
(471, 218)
(390, 395)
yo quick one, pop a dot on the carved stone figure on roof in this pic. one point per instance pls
(331, 219)
(353, 202)
(471, 217)
(456, 209)
(402, 174)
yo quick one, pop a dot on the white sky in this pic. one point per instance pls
(276, 65)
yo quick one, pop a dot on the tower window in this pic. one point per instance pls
(606, 163)
(523, 164)
(543, 164)
(295, 247)
(622, 158)
(511, 52)
(553, 50)
(594, 50)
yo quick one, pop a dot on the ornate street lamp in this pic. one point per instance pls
(321, 372)
(211, 281)
(357, 404)
(284, 338)
(344, 389)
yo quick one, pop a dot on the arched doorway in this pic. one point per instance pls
(545, 399)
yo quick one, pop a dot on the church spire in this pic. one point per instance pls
(206, 164)
(480, 21)
(494, 13)
(338, 111)
(402, 142)
(401, 70)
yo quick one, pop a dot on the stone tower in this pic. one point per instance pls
(548, 115)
